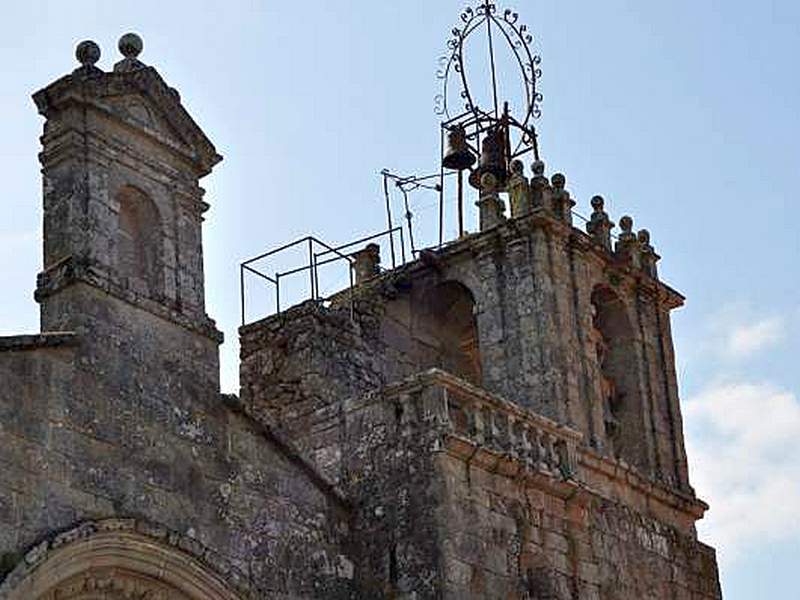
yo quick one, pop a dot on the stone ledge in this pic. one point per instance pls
(620, 471)
(71, 270)
(34, 341)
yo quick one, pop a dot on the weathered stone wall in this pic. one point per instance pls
(123, 416)
(448, 510)
(129, 422)
(388, 465)
(533, 282)
(418, 484)
(506, 540)
(297, 371)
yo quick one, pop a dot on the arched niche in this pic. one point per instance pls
(113, 561)
(615, 348)
(446, 328)
(139, 241)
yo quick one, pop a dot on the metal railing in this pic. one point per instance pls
(316, 259)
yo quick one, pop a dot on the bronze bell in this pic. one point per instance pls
(493, 155)
(457, 155)
(493, 159)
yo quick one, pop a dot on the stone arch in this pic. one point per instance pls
(139, 241)
(615, 347)
(446, 325)
(116, 560)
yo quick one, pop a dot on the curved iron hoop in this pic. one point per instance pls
(518, 40)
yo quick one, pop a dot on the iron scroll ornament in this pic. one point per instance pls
(518, 39)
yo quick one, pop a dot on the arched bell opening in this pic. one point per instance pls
(446, 327)
(614, 346)
(139, 242)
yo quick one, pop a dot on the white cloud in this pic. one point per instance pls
(748, 338)
(744, 446)
(737, 331)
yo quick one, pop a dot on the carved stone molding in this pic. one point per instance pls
(120, 559)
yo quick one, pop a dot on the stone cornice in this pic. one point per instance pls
(494, 240)
(70, 271)
(36, 341)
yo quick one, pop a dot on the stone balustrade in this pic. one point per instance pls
(473, 419)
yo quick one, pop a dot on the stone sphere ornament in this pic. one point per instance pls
(87, 53)
(489, 182)
(130, 45)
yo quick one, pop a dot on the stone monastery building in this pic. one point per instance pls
(497, 418)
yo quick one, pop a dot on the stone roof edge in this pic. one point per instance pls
(618, 469)
(35, 341)
(499, 235)
(289, 450)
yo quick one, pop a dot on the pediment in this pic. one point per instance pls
(140, 98)
(139, 111)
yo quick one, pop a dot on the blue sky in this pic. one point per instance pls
(682, 114)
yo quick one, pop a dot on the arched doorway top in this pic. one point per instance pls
(121, 558)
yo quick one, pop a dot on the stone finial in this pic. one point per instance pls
(88, 53)
(561, 203)
(627, 245)
(626, 224)
(131, 46)
(540, 187)
(488, 184)
(649, 258)
(599, 225)
(490, 206)
(518, 191)
(367, 262)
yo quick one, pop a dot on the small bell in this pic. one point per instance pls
(457, 154)
(493, 159)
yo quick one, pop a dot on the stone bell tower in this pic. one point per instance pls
(121, 161)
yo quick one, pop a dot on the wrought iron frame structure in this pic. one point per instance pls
(475, 121)
(313, 265)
